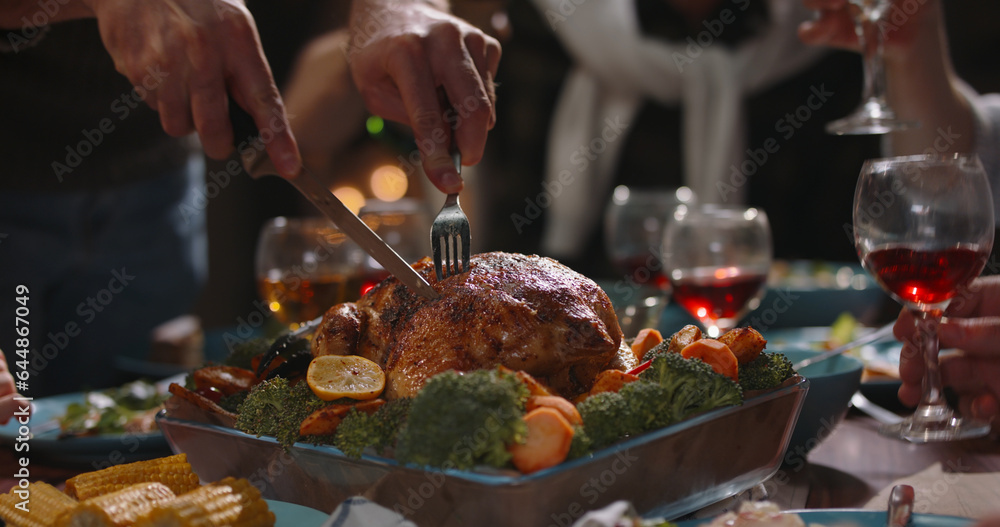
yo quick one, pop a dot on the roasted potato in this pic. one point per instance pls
(746, 343)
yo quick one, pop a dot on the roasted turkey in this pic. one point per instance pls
(524, 312)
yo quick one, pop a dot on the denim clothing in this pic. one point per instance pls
(102, 269)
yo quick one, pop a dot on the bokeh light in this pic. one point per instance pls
(388, 183)
(352, 198)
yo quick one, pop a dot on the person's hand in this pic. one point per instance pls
(972, 325)
(7, 392)
(834, 25)
(400, 53)
(188, 57)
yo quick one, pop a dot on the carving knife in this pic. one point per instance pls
(258, 164)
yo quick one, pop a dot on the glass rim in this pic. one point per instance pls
(939, 157)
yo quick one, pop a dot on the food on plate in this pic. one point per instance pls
(173, 471)
(326, 420)
(463, 420)
(746, 343)
(684, 336)
(337, 376)
(670, 390)
(128, 408)
(231, 502)
(360, 430)
(527, 313)
(143, 494)
(218, 381)
(644, 341)
(716, 354)
(119, 508)
(766, 371)
(557, 403)
(546, 443)
(611, 381)
(276, 407)
(520, 364)
(48, 505)
(757, 514)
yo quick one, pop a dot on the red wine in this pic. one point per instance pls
(717, 294)
(644, 269)
(925, 276)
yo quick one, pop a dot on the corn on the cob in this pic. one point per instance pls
(229, 502)
(117, 509)
(173, 471)
(40, 506)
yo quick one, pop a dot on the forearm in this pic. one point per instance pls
(923, 86)
(16, 14)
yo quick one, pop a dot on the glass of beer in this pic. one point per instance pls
(304, 266)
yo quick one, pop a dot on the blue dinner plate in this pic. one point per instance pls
(292, 515)
(880, 356)
(91, 452)
(858, 518)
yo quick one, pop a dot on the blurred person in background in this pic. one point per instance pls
(718, 95)
(99, 210)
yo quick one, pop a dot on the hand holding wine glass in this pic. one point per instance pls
(874, 115)
(923, 227)
(717, 258)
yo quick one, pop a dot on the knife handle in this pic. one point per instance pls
(247, 142)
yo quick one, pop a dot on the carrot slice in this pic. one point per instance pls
(547, 443)
(555, 402)
(716, 354)
(612, 381)
(644, 341)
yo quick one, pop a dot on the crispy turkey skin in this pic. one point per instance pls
(524, 312)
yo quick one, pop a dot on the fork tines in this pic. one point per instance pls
(451, 239)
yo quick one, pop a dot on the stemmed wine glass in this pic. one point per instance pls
(717, 258)
(873, 116)
(633, 231)
(923, 227)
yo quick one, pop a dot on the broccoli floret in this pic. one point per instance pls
(276, 408)
(241, 353)
(607, 417)
(232, 402)
(766, 371)
(671, 389)
(581, 445)
(359, 430)
(463, 420)
(693, 386)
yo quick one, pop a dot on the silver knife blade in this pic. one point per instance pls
(259, 164)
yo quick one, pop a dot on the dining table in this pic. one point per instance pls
(848, 469)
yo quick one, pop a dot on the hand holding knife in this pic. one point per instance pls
(258, 164)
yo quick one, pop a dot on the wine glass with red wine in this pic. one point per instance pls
(633, 231)
(923, 228)
(717, 258)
